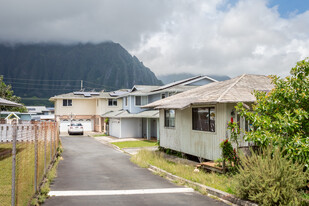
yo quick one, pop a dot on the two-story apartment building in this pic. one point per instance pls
(84, 107)
(133, 120)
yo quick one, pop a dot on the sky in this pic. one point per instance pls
(227, 37)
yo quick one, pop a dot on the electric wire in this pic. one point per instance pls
(39, 79)
(88, 82)
(38, 84)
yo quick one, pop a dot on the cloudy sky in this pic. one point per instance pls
(227, 37)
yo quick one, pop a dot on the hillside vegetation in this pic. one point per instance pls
(39, 71)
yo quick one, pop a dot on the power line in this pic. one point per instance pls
(41, 99)
(39, 84)
(11, 81)
(39, 79)
(36, 88)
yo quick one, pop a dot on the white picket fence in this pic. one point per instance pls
(25, 132)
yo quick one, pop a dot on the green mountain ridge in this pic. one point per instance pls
(44, 70)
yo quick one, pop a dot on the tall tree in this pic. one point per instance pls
(6, 92)
(281, 117)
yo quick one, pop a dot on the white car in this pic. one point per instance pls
(76, 128)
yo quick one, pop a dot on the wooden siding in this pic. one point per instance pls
(198, 143)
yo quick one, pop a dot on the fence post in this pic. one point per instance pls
(55, 138)
(35, 157)
(14, 135)
(51, 141)
(44, 131)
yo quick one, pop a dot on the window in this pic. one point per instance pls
(203, 119)
(67, 102)
(125, 101)
(169, 118)
(112, 102)
(141, 100)
(162, 96)
(138, 100)
(144, 100)
(243, 124)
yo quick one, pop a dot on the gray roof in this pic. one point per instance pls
(238, 89)
(79, 96)
(176, 87)
(140, 90)
(119, 92)
(185, 82)
(145, 90)
(126, 114)
(4, 102)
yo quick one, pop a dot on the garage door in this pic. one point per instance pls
(114, 127)
(64, 125)
(87, 124)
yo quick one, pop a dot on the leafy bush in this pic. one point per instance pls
(270, 179)
(228, 152)
(281, 117)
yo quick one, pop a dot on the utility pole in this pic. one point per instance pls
(81, 84)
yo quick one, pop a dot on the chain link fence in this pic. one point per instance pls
(26, 151)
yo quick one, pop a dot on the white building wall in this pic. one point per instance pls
(103, 107)
(79, 107)
(198, 143)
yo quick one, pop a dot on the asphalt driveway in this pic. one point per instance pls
(92, 173)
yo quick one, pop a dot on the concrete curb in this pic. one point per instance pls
(209, 190)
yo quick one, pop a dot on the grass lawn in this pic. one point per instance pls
(140, 143)
(221, 182)
(5, 175)
(24, 171)
(99, 135)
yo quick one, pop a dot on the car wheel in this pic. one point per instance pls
(82, 133)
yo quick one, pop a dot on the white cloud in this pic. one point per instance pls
(247, 38)
(169, 36)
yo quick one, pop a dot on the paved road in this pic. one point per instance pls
(96, 174)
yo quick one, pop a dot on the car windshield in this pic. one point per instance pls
(76, 124)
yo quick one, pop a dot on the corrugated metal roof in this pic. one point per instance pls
(238, 89)
(126, 114)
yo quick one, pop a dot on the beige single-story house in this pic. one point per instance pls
(195, 121)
